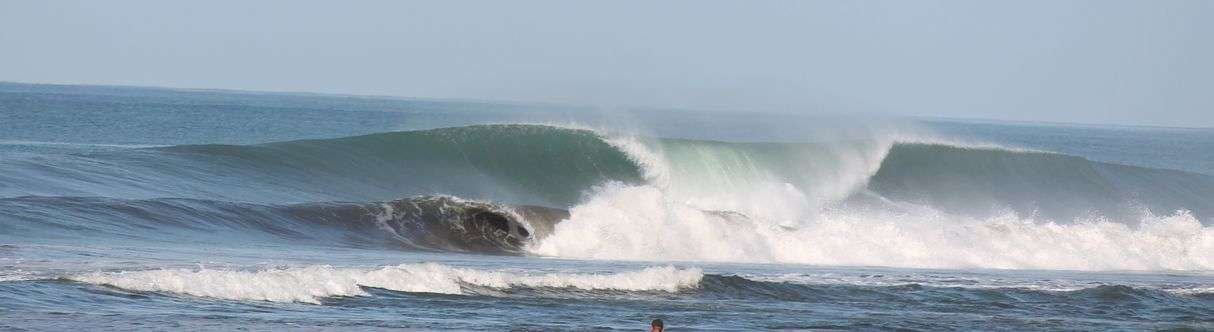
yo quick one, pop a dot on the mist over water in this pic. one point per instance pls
(834, 204)
(423, 209)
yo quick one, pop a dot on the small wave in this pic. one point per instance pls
(312, 283)
(942, 280)
(17, 276)
(1193, 291)
(913, 294)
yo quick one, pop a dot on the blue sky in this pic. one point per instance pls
(1108, 61)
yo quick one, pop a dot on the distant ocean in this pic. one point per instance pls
(140, 208)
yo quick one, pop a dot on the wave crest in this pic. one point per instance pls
(901, 205)
(909, 202)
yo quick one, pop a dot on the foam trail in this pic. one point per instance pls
(310, 284)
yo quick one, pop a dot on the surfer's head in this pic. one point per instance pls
(656, 326)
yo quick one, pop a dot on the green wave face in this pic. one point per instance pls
(1056, 186)
(529, 164)
(823, 171)
(972, 181)
(560, 167)
(635, 198)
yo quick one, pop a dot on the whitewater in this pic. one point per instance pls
(749, 213)
(422, 214)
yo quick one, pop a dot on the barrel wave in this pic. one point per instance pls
(556, 191)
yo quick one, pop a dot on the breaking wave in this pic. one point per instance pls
(640, 223)
(320, 283)
(903, 203)
(311, 284)
(888, 201)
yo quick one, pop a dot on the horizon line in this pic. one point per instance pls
(585, 106)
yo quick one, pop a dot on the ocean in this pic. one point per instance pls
(127, 208)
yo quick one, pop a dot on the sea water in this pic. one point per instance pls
(136, 208)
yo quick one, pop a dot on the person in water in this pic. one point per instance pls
(656, 326)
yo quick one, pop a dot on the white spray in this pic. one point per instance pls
(711, 203)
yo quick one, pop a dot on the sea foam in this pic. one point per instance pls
(311, 283)
(714, 204)
(640, 223)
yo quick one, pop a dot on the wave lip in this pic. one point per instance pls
(524, 164)
(312, 283)
(531, 164)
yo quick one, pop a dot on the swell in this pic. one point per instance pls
(519, 163)
(526, 164)
(419, 223)
(979, 181)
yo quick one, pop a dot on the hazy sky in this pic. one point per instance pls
(1126, 62)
